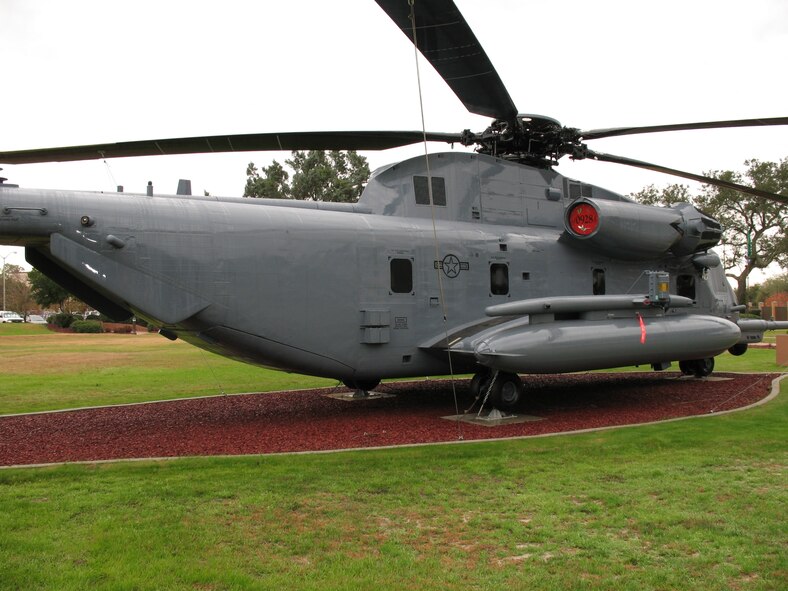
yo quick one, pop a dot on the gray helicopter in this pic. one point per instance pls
(489, 263)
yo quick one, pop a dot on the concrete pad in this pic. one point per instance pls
(354, 397)
(706, 379)
(493, 418)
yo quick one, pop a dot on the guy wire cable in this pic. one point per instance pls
(460, 435)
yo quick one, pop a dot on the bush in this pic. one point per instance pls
(63, 319)
(85, 326)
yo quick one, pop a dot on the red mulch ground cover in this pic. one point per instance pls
(309, 421)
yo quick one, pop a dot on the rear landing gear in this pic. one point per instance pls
(700, 368)
(505, 393)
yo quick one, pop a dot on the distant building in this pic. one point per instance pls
(775, 307)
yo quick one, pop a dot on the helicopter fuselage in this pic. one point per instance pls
(386, 286)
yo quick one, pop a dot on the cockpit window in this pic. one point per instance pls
(685, 286)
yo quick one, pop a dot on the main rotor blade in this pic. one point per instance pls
(444, 37)
(687, 175)
(595, 134)
(253, 142)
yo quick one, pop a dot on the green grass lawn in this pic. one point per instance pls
(22, 328)
(693, 504)
(41, 370)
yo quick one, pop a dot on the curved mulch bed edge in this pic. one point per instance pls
(308, 420)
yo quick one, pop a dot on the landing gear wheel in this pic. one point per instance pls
(506, 391)
(704, 367)
(700, 368)
(479, 384)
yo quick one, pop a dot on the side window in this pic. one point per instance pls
(685, 286)
(598, 278)
(401, 275)
(499, 279)
(421, 188)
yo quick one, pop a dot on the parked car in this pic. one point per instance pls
(36, 319)
(6, 316)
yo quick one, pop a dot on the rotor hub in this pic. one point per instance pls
(530, 139)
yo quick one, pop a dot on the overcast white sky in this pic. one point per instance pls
(92, 71)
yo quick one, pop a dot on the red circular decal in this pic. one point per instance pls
(583, 219)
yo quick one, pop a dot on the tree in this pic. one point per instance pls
(272, 184)
(17, 289)
(755, 229)
(46, 292)
(317, 176)
(667, 196)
